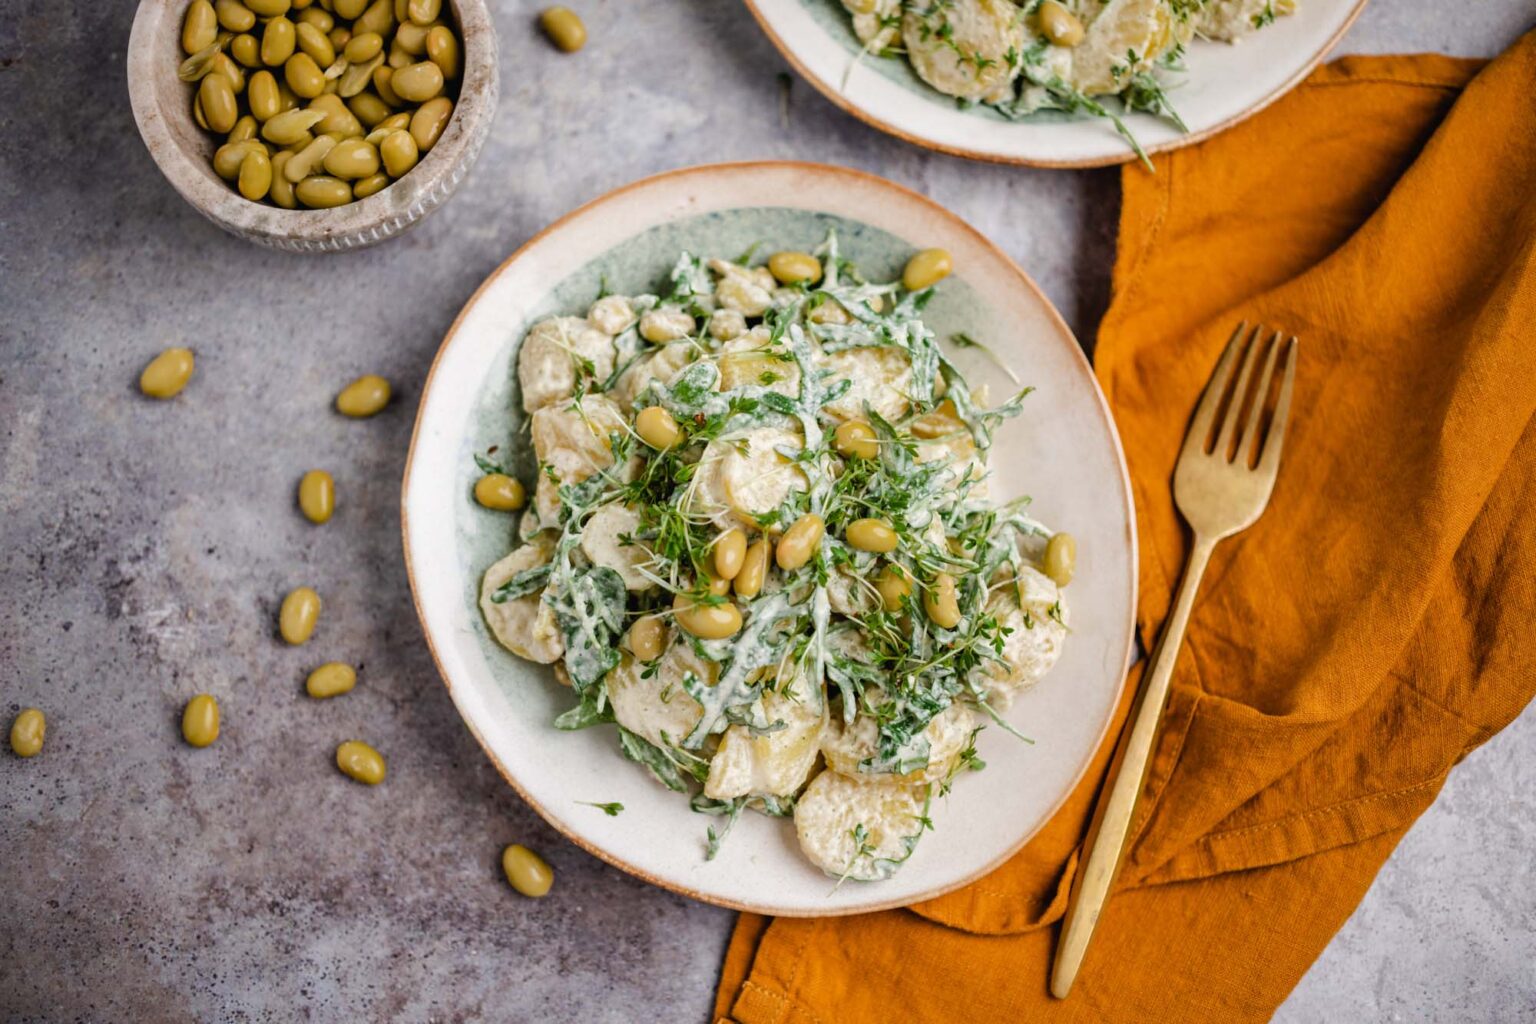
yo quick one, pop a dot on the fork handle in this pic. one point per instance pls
(1108, 835)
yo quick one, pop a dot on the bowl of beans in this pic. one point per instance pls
(313, 125)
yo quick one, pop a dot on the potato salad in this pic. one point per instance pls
(760, 545)
(1022, 57)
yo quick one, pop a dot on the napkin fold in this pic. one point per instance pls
(1347, 650)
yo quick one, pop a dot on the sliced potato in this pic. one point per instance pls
(1037, 615)
(962, 47)
(555, 354)
(859, 830)
(775, 764)
(657, 708)
(525, 625)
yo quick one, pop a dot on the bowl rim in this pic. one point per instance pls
(835, 95)
(472, 112)
(1101, 404)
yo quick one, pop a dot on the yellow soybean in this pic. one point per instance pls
(926, 269)
(322, 192)
(646, 637)
(706, 621)
(167, 373)
(423, 12)
(234, 15)
(856, 440)
(894, 585)
(874, 535)
(500, 492)
(799, 542)
(941, 602)
(364, 47)
(317, 496)
(278, 39)
(399, 153)
(526, 871)
(27, 731)
(443, 50)
(366, 396)
(332, 679)
(1061, 558)
(1060, 25)
(245, 49)
(304, 76)
(369, 185)
(199, 27)
(297, 618)
(352, 159)
(754, 569)
(266, 102)
(282, 188)
(730, 553)
(428, 122)
(657, 428)
(255, 175)
(217, 97)
(417, 83)
(564, 28)
(794, 268)
(358, 761)
(200, 720)
(315, 44)
(268, 8)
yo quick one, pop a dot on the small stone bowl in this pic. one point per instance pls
(162, 106)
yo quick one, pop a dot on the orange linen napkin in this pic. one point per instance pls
(1346, 651)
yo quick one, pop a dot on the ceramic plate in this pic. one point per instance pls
(1225, 84)
(1063, 450)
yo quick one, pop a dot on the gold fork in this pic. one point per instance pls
(1221, 488)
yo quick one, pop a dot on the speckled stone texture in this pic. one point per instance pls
(144, 548)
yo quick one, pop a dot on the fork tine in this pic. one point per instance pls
(1205, 412)
(1260, 396)
(1235, 407)
(1269, 459)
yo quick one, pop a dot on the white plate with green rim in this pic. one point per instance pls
(1225, 83)
(1062, 450)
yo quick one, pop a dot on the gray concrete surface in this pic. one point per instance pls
(144, 548)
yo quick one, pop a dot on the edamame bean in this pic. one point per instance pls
(315, 44)
(399, 153)
(730, 553)
(370, 109)
(297, 618)
(646, 637)
(926, 269)
(1060, 25)
(352, 159)
(317, 496)
(382, 76)
(307, 160)
(282, 188)
(244, 129)
(706, 621)
(379, 17)
(418, 82)
(217, 97)
(368, 186)
(291, 126)
(332, 679)
(255, 175)
(500, 492)
(364, 397)
(363, 47)
(526, 871)
(27, 731)
(222, 64)
(754, 570)
(941, 602)
(564, 28)
(360, 762)
(856, 440)
(350, 9)
(1061, 558)
(322, 192)
(199, 27)
(268, 8)
(167, 373)
(278, 39)
(265, 101)
(338, 119)
(411, 40)
(230, 157)
(874, 535)
(339, 36)
(794, 268)
(799, 542)
(443, 50)
(234, 15)
(318, 17)
(894, 586)
(304, 76)
(428, 122)
(245, 49)
(657, 428)
(200, 720)
(423, 12)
